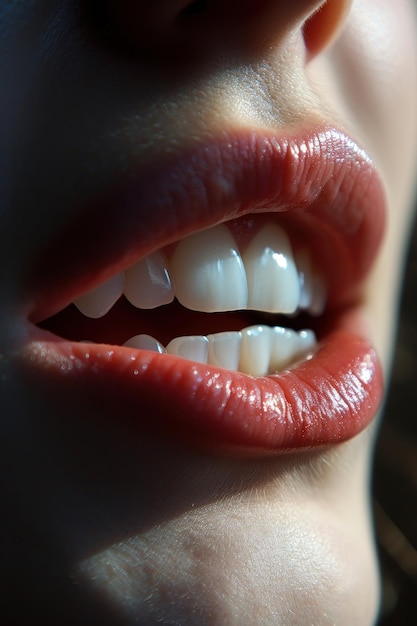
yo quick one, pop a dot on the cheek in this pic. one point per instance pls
(378, 57)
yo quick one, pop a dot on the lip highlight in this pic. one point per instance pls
(327, 191)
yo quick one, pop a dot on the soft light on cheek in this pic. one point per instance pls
(384, 62)
(243, 562)
(382, 38)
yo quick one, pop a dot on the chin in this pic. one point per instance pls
(239, 563)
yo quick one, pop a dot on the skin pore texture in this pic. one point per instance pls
(109, 522)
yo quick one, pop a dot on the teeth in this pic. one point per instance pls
(312, 287)
(273, 282)
(319, 296)
(96, 303)
(145, 342)
(305, 275)
(256, 350)
(191, 348)
(224, 349)
(148, 283)
(211, 275)
(209, 272)
(287, 346)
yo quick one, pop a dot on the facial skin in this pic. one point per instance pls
(106, 526)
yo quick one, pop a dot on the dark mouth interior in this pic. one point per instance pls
(124, 321)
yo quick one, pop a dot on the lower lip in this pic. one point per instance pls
(322, 401)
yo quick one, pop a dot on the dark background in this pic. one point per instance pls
(395, 475)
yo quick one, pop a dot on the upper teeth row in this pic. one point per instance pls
(208, 273)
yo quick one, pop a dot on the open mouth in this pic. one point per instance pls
(248, 294)
(238, 322)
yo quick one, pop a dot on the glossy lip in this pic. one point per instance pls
(327, 187)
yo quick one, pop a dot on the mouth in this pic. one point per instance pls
(217, 289)
(223, 304)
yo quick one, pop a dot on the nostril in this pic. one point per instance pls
(323, 25)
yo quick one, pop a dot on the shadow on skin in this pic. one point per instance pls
(85, 495)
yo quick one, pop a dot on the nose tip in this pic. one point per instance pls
(200, 26)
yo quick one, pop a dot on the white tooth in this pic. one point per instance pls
(209, 272)
(307, 340)
(97, 302)
(312, 286)
(318, 303)
(284, 342)
(145, 342)
(191, 348)
(255, 350)
(288, 345)
(273, 283)
(148, 283)
(224, 349)
(306, 279)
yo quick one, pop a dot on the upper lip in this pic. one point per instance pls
(320, 180)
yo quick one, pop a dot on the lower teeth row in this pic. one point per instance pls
(256, 350)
